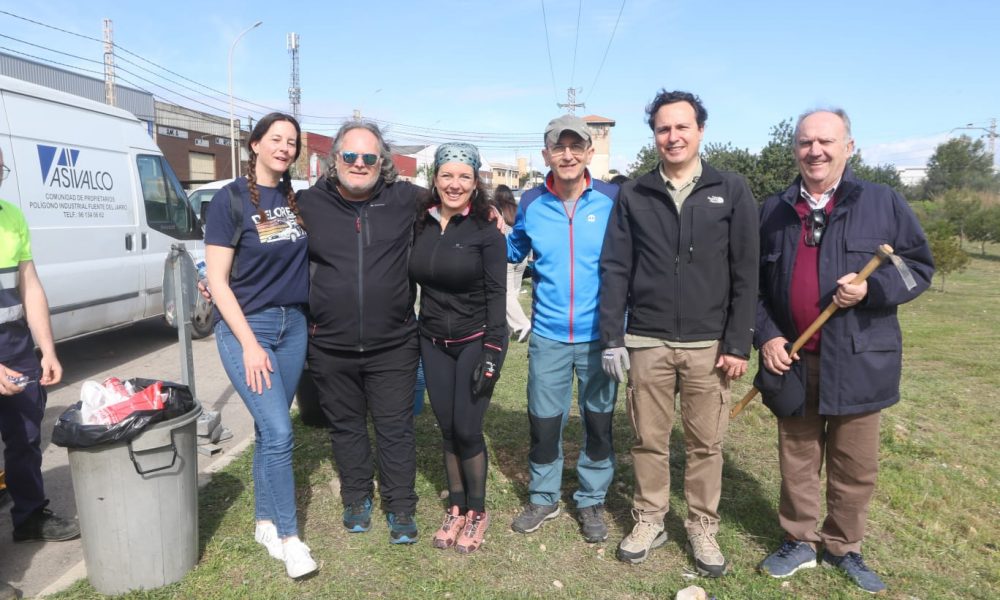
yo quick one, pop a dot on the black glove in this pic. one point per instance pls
(486, 373)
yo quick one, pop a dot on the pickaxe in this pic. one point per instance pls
(884, 251)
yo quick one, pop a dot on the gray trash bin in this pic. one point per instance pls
(138, 506)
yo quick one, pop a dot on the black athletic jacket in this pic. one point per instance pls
(682, 277)
(462, 273)
(360, 297)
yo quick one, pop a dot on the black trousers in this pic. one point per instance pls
(353, 384)
(448, 374)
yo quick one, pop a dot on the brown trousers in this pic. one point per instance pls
(851, 445)
(655, 376)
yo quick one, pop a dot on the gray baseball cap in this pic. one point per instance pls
(573, 123)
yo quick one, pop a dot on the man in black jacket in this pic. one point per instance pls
(363, 348)
(679, 265)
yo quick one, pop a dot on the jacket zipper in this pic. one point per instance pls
(361, 282)
(572, 266)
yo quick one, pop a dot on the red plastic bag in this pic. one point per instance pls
(150, 398)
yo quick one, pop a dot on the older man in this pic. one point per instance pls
(815, 237)
(680, 259)
(363, 348)
(562, 222)
(24, 321)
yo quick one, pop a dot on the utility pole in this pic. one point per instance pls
(571, 104)
(109, 63)
(991, 135)
(294, 91)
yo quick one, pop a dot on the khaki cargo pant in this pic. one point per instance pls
(655, 375)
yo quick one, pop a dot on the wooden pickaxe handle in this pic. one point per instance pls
(884, 251)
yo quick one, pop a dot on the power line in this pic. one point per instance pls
(548, 48)
(576, 42)
(508, 140)
(606, 50)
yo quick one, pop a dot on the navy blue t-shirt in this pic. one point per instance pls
(272, 262)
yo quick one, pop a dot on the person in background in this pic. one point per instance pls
(258, 272)
(517, 322)
(815, 237)
(459, 260)
(24, 321)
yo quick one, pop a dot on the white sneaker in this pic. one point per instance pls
(267, 536)
(298, 560)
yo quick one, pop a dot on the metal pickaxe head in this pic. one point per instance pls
(885, 251)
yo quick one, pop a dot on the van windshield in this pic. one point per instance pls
(167, 208)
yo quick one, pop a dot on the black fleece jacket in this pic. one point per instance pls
(682, 277)
(462, 272)
(360, 295)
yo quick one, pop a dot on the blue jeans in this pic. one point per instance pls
(281, 331)
(551, 366)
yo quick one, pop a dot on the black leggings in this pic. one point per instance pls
(448, 373)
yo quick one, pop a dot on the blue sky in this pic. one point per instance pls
(908, 73)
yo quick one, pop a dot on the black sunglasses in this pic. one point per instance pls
(351, 157)
(817, 225)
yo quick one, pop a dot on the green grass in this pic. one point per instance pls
(933, 527)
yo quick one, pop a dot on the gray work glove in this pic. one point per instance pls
(615, 363)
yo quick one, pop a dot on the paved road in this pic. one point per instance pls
(148, 349)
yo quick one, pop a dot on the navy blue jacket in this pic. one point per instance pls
(861, 347)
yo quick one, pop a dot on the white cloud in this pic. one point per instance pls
(910, 152)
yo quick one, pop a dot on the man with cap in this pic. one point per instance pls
(678, 293)
(24, 321)
(815, 237)
(562, 223)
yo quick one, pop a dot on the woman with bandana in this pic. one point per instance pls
(459, 258)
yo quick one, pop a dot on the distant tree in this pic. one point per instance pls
(984, 226)
(959, 206)
(776, 166)
(885, 174)
(645, 161)
(960, 163)
(727, 157)
(948, 254)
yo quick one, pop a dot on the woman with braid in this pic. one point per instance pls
(459, 259)
(257, 265)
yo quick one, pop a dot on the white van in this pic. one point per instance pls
(102, 204)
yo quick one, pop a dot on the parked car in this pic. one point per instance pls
(201, 196)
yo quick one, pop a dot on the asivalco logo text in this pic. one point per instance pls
(59, 170)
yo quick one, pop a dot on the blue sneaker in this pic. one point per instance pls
(402, 528)
(854, 566)
(789, 558)
(358, 515)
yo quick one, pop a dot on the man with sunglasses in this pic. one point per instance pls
(815, 237)
(363, 347)
(678, 290)
(24, 321)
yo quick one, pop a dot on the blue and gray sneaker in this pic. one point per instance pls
(402, 528)
(854, 566)
(358, 515)
(789, 558)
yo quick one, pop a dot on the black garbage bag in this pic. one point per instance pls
(71, 432)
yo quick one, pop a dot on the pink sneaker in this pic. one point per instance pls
(474, 532)
(450, 529)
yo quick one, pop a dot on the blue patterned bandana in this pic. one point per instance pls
(457, 152)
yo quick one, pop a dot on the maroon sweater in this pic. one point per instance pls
(804, 298)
